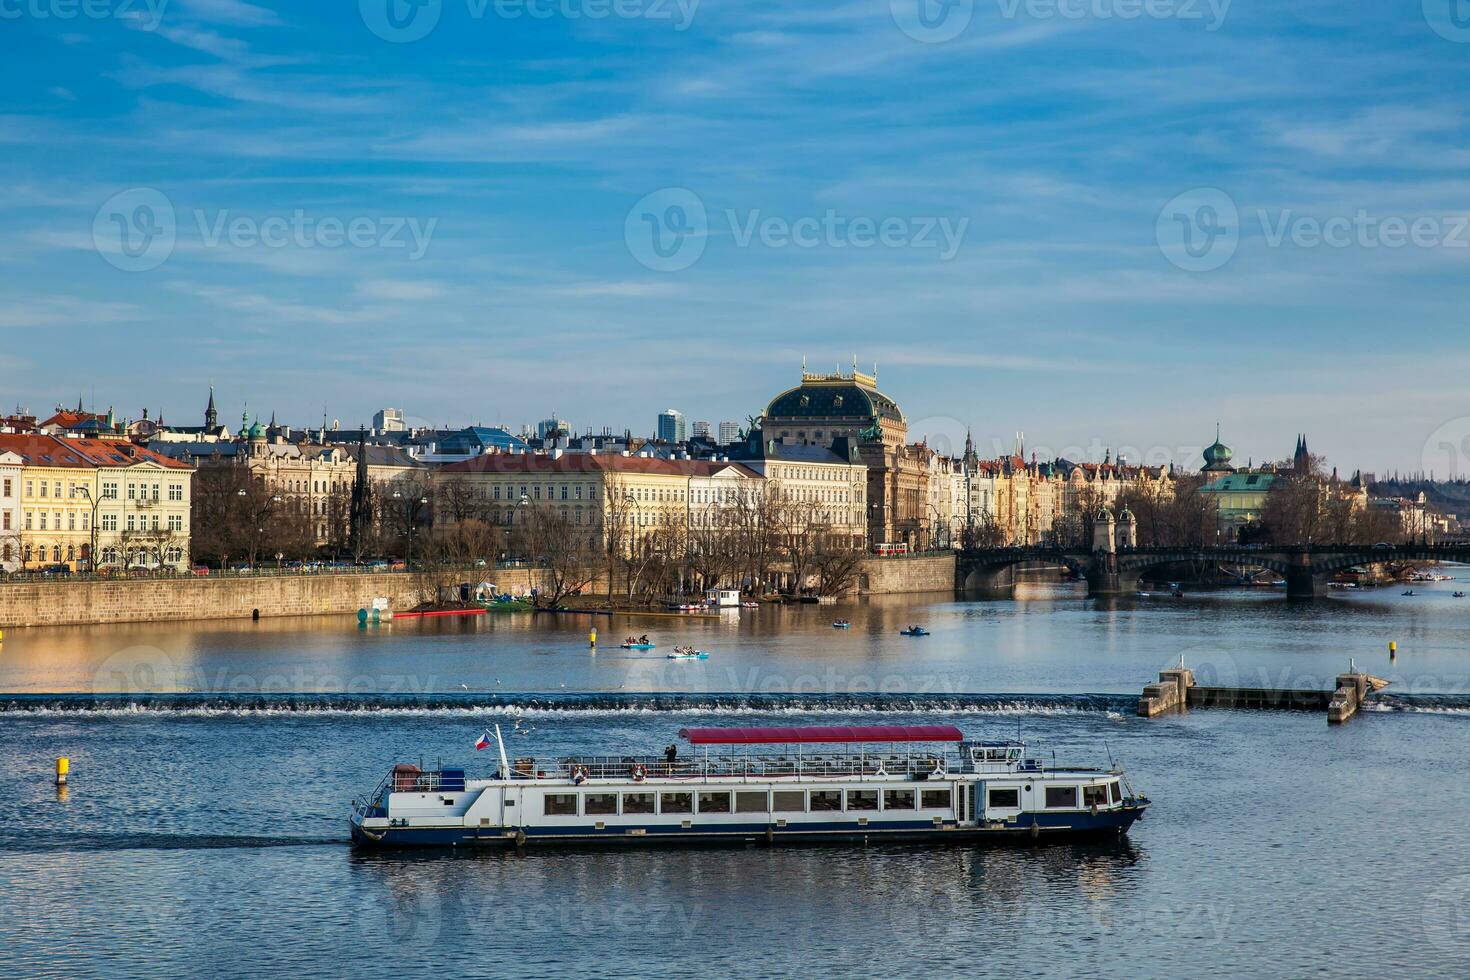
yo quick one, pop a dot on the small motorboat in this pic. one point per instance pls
(1407, 592)
(841, 624)
(750, 605)
(638, 643)
(914, 631)
(688, 653)
(1457, 595)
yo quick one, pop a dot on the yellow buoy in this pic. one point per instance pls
(1393, 650)
(63, 767)
(592, 638)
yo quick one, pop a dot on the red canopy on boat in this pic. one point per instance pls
(787, 736)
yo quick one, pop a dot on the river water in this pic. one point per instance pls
(204, 830)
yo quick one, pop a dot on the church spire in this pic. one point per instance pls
(211, 417)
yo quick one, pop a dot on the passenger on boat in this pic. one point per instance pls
(671, 755)
(643, 638)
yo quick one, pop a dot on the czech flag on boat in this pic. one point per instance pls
(483, 743)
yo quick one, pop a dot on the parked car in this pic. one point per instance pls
(57, 570)
(200, 570)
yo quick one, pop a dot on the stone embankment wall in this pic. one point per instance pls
(58, 602)
(62, 602)
(922, 573)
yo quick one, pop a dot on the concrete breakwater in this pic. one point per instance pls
(76, 602)
(1177, 691)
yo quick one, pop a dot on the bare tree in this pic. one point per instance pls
(559, 552)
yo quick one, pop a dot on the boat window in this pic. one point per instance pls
(1058, 797)
(826, 799)
(1095, 795)
(1005, 799)
(637, 802)
(1116, 791)
(676, 803)
(898, 799)
(935, 799)
(749, 801)
(600, 803)
(714, 802)
(788, 801)
(862, 799)
(561, 804)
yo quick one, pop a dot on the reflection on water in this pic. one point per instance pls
(205, 829)
(1051, 640)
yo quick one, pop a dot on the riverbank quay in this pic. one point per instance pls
(83, 601)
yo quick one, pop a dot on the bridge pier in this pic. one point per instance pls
(997, 582)
(1300, 582)
(1104, 581)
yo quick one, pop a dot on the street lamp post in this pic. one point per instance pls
(92, 548)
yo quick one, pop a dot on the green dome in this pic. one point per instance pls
(826, 400)
(1218, 456)
(257, 431)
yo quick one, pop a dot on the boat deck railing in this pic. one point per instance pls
(757, 767)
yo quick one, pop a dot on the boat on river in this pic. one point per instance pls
(914, 631)
(748, 785)
(687, 653)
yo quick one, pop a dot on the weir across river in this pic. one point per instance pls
(1177, 691)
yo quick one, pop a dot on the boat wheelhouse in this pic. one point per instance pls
(888, 782)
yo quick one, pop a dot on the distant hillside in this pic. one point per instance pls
(1450, 497)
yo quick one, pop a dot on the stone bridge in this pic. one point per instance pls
(1306, 568)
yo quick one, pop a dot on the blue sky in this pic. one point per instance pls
(987, 200)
